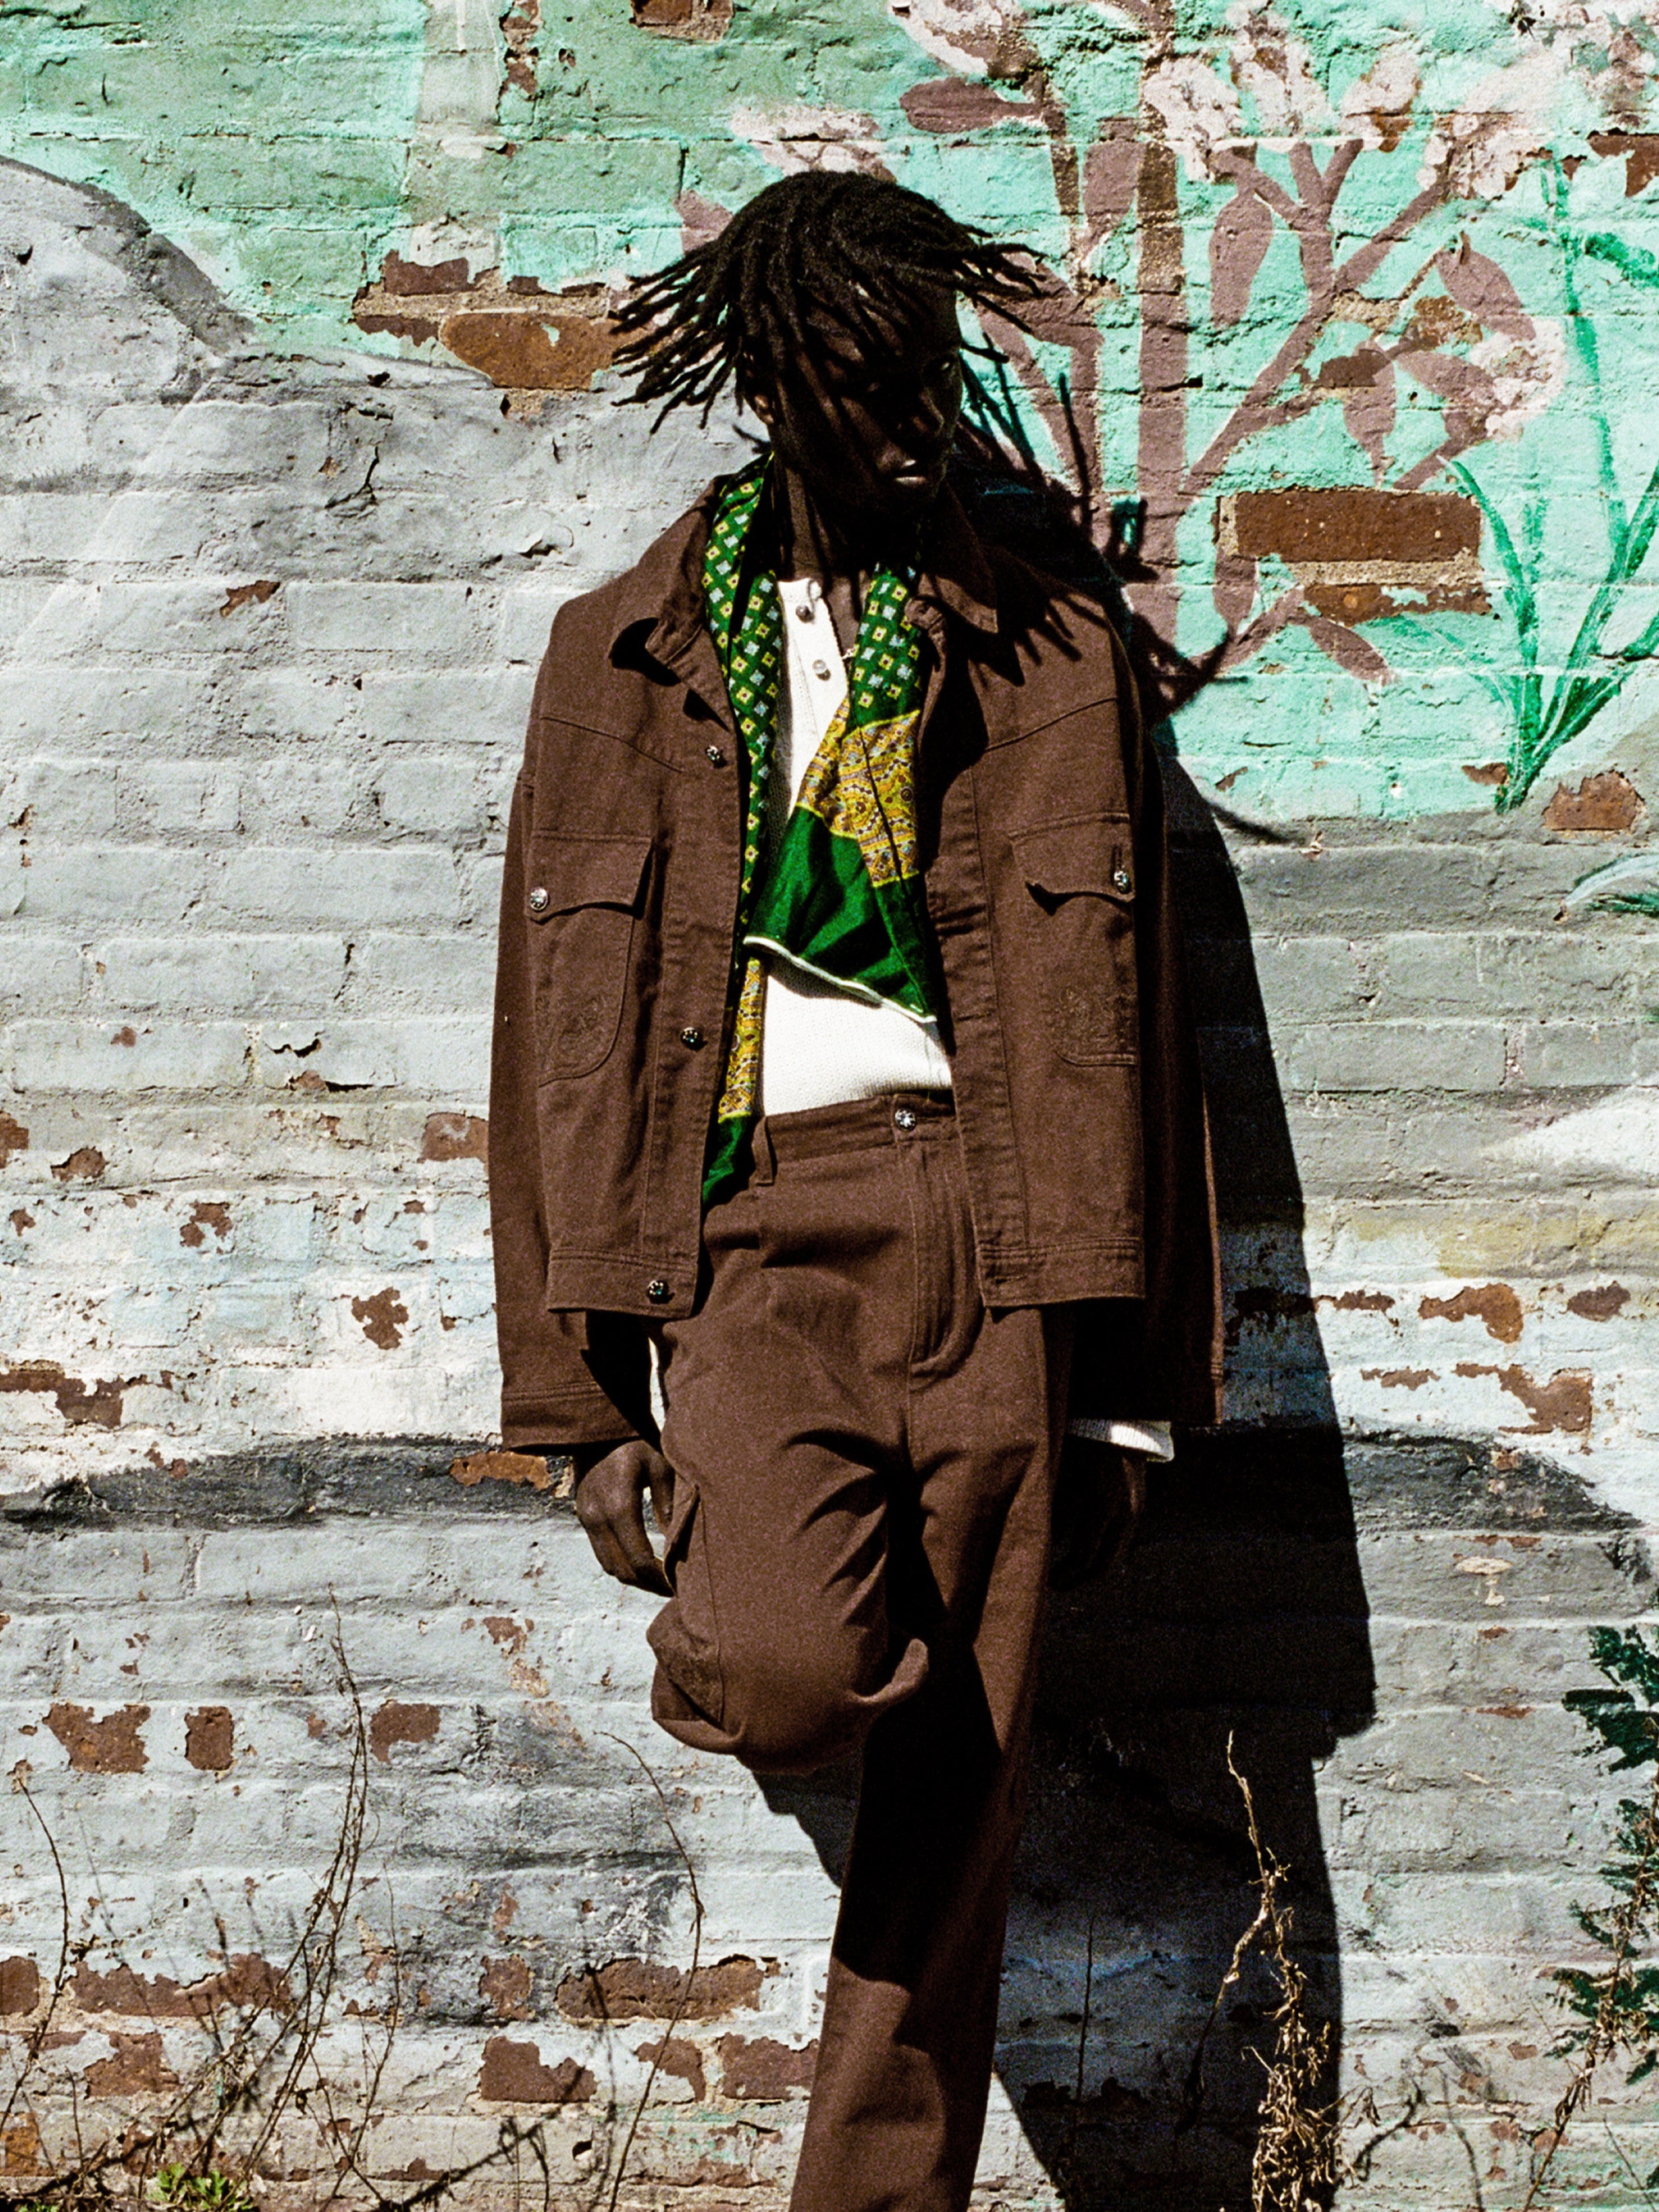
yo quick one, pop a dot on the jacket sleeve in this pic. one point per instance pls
(1158, 1358)
(566, 1378)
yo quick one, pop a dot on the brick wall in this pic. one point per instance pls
(271, 621)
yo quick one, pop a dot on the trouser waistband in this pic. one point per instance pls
(853, 1125)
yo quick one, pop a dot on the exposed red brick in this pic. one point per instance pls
(456, 1137)
(1564, 1403)
(1600, 1304)
(20, 1985)
(1601, 803)
(1357, 1302)
(1639, 151)
(20, 2149)
(516, 2074)
(111, 1746)
(14, 1137)
(1398, 1378)
(410, 279)
(638, 1989)
(1367, 601)
(516, 352)
(97, 1405)
(1354, 524)
(125, 1035)
(399, 1723)
(683, 19)
(136, 2068)
(519, 25)
(206, 1213)
(507, 1984)
(85, 1165)
(384, 1317)
(20, 1217)
(1505, 1712)
(1493, 772)
(242, 595)
(674, 2055)
(1495, 1304)
(761, 2071)
(246, 1982)
(520, 1468)
(209, 1738)
(507, 1634)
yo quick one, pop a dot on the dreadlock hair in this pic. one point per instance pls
(824, 245)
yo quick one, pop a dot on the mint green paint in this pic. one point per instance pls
(290, 144)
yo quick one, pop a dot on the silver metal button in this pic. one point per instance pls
(902, 1118)
(657, 1291)
(1121, 879)
(692, 1038)
(717, 758)
(539, 901)
(821, 668)
(803, 612)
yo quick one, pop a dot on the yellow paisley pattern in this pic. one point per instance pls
(743, 1061)
(860, 786)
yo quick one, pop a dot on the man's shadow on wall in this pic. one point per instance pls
(1240, 1620)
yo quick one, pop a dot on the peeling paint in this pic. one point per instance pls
(763, 2069)
(1563, 1403)
(455, 1137)
(209, 1738)
(400, 1723)
(14, 1137)
(517, 2074)
(518, 1468)
(384, 1317)
(1494, 1304)
(111, 1746)
(639, 1988)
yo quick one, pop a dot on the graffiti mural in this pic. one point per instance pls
(1344, 366)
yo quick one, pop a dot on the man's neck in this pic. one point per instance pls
(839, 550)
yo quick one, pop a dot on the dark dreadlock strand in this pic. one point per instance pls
(826, 245)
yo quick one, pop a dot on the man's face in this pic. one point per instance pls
(869, 427)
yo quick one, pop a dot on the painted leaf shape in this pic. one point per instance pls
(1481, 289)
(950, 104)
(1458, 382)
(1111, 171)
(1368, 407)
(1238, 246)
(1347, 649)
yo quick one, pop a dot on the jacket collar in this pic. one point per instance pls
(665, 586)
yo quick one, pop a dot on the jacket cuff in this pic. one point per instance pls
(1151, 1438)
(556, 1423)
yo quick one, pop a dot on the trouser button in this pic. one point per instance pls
(904, 1117)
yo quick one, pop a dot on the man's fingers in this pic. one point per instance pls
(628, 1528)
(610, 1505)
(660, 1476)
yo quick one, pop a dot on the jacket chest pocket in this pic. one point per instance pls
(582, 901)
(1077, 888)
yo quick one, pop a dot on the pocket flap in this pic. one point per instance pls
(1090, 852)
(567, 872)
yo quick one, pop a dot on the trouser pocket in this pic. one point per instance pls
(684, 1636)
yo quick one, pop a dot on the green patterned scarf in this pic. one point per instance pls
(842, 897)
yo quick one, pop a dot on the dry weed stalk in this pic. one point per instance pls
(690, 1982)
(1299, 2158)
(205, 2150)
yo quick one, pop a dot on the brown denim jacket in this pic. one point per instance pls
(1072, 1049)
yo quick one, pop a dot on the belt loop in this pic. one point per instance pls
(766, 1159)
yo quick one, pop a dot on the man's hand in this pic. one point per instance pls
(1098, 1503)
(610, 1504)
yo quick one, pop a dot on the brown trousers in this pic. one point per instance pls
(864, 1462)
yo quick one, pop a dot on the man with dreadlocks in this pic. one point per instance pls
(845, 1086)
